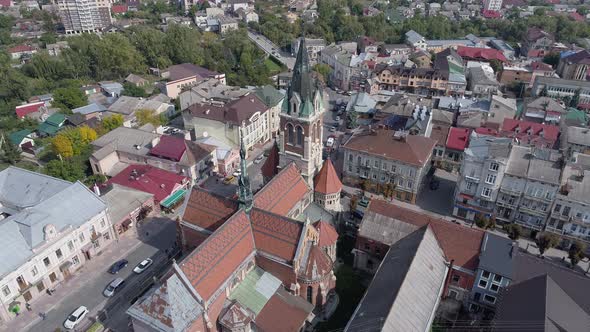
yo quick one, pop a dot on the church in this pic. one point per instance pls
(257, 262)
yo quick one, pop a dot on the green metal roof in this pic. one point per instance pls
(255, 290)
(269, 95)
(576, 115)
(47, 128)
(17, 137)
(175, 197)
(56, 119)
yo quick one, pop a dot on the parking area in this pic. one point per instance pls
(438, 198)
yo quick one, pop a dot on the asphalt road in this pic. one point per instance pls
(269, 47)
(91, 294)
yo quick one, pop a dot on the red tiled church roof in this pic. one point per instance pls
(283, 313)
(211, 264)
(327, 181)
(283, 192)
(275, 235)
(208, 210)
(318, 264)
(459, 243)
(328, 235)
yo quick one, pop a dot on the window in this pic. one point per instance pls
(34, 271)
(494, 288)
(491, 179)
(46, 261)
(557, 208)
(350, 168)
(376, 163)
(489, 299)
(486, 192)
(290, 136)
(82, 238)
(75, 260)
(456, 278)
(494, 167)
(482, 283)
(566, 211)
(309, 294)
(102, 223)
(40, 287)
(350, 157)
(393, 168)
(498, 278)
(71, 245)
(469, 185)
(359, 160)
(453, 294)
(485, 274)
(59, 254)
(299, 136)
(6, 290)
(410, 184)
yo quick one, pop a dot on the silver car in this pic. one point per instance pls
(113, 286)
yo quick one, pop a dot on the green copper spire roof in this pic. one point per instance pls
(244, 189)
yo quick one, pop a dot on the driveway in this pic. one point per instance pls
(86, 287)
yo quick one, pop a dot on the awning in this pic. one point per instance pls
(172, 199)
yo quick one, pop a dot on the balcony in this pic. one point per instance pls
(506, 204)
(510, 191)
(472, 178)
(533, 210)
(23, 285)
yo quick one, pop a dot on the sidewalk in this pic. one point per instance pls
(79, 278)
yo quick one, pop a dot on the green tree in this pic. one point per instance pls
(151, 43)
(576, 252)
(145, 116)
(69, 98)
(70, 170)
(575, 99)
(546, 241)
(323, 69)
(133, 90)
(514, 231)
(11, 153)
(184, 45)
(551, 59)
(496, 65)
(543, 92)
(111, 122)
(62, 146)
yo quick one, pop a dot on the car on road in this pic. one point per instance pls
(349, 93)
(143, 265)
(338, 118)
(330, 142)
(259, 159)
(228, 179)
(75, 317)
(237, 173)
(434, 184)
(118, 266)
(332, 129)
(113, 286)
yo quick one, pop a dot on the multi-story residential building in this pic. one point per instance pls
(577, 139)
(247, 117)
(449, 61)
(544, 110)
(500, 108)
(415, 80)
(482, 171)
(482, 82)
(273, 99)
(529, 186)
(570, 214)
(344, 63)
(537, 43)
(389, 157)
(494, 5)
(123, 146)
(80, 16)
(513, 74)
(457, 141)
(494, 272)
(50, 228)
(560, 88)
(574, 66)
(183, 76)
(314, 48)
(530, 133)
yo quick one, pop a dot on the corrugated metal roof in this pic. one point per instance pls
(255, 290)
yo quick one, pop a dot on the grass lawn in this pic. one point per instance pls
(350, 291)
(272, 66)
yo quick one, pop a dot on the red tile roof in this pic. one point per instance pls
(20, 48)
(459, 243)
(413, 149)
(283, 192)
(327, 181)
(169, 147)
(119, 9)
(491, 14)
(155, 181)
(275, 235)
(23, 110)
(5, 3)
(537, 134)
(458, 138)
(577, 17)
(208, 210)
(328, 235)
(318, 265)
(478, 53)
(283, 313)
(214, 261)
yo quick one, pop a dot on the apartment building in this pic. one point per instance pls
(389, 157)
(561, 88)
(314, 48)
(494, 5)
(574, 66)
(424, 81)
(80, 16)
(50, 228)
(344, 63)
(482, 172)
(570, 214)
(529, 186)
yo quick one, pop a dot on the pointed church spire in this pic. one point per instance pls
(302, 60)
(244, 189)
(303, 84)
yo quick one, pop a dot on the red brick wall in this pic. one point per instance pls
(191, 238)
(465, 280)
(282, 272)
(510, 76)
(374, 248)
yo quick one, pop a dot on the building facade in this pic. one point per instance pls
(574, 66)
(80, 16)
(314, 48)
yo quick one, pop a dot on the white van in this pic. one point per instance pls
(113, 286)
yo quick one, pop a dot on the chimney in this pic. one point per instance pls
(96, 190)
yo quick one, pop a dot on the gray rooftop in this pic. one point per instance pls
(576, 178)
(404, 293)
(123, 200)
(413, 37)
(497, 255)
(487, 147)
(89, 109)
(32, 201)
(578, 135)
(534, 164)
(479, 76)
(133, 141)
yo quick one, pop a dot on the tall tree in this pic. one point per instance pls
(11, 152)
(69, 98)
(546, 241)
(576, 252)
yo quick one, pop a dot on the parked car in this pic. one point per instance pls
(259, 159)
(143, 265)
(349, 93)
(332, 129)
(338, 118)
(237, 173)
(434, 184)
(118, 266)
(113, 286)
(330, 142)
(75, 317)
(228, 179)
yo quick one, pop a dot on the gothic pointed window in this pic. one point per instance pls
(290, 135)
(309, 294)
(299, 136)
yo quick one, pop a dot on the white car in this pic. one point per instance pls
(143, 265)
(330, 142)
(75, 317)
(237, 173)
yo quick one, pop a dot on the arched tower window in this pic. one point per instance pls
(294, 107)
(319, 131)
(313, 133)
(299, 136)
(309, 294)
(290, 134)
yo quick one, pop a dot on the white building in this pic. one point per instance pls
(494, 5)
(80, 16)
(49, 229)
(481, 174)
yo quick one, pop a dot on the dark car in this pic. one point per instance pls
(118, 266)
(434, 184)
